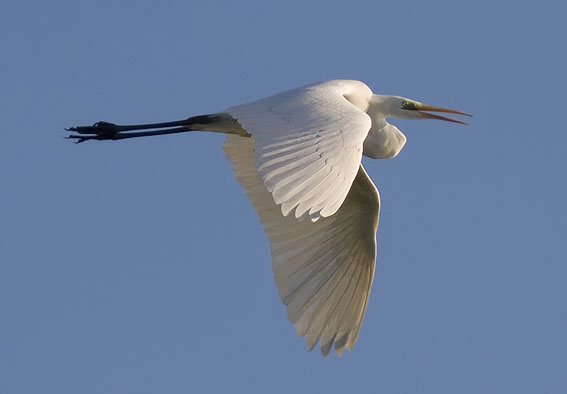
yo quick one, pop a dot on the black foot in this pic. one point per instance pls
(99, 131)
(109, 131)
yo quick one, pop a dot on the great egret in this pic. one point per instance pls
(298, 156)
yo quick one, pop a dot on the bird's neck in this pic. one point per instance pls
(380, 107)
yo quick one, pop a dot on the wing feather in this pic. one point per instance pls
(308, 141)
(323, 269)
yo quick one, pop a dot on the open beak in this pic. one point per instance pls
(423, 107)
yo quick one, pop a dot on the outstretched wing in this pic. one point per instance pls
(323, 269)
(309, 143)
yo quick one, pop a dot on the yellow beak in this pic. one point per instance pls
(423, 107)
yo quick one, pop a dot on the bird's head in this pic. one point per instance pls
(402, 107)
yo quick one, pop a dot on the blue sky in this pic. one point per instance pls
(140, 267)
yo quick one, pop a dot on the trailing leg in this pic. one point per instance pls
(221, 123)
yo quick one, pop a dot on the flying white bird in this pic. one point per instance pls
(298, 156)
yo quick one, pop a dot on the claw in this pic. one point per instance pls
(109, 131)
(100, 128)
(80, 138)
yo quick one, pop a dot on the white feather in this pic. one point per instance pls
(308, 143)
(303, 157)
(323, 269)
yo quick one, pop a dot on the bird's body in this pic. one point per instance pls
(298, 156)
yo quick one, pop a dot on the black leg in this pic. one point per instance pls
(109, 131)
(101, 135)
(221, 122)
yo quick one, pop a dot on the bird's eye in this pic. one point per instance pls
(408, 105)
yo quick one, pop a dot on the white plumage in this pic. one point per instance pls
(308, 144)
(298, 156)
(323, 270)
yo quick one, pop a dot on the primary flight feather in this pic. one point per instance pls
(297, 155)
